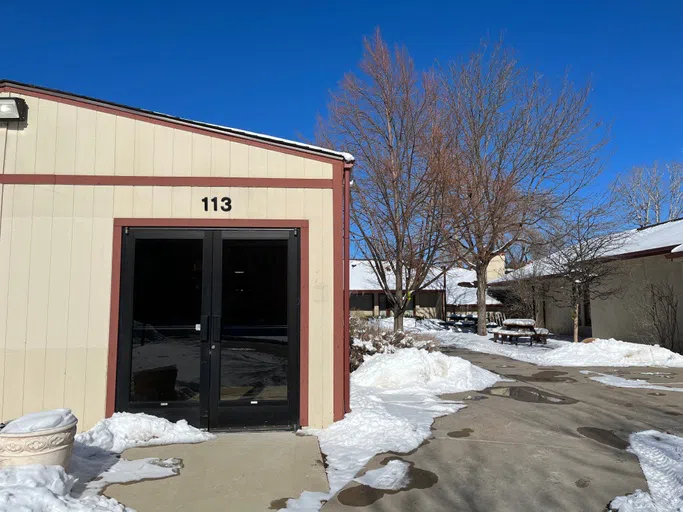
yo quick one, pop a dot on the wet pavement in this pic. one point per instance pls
(551, 440)
(245, 472)
(364, 495)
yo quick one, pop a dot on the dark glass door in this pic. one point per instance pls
(209, 326)
(256, 316)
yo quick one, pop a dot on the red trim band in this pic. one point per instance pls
(338, 301)
(163, 181)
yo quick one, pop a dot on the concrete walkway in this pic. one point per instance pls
(237, 472)
(551, 440)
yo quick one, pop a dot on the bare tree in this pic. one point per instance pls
(658, 314)
(585, 267)
(522, 152)
(649, 194)
(386, 117)
(523, 297)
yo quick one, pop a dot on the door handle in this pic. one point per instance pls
(204, 328)
(215, 328)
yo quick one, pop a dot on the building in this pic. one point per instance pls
(646, 256)
(368, 297)
(155, 264)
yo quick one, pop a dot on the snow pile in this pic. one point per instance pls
(661, 459)
(95, 463)
(613, 353)
(125, 430)
(392, 477)
(413, 370)
(53, 478)
(620, 382)
(394, 402)
(46, 488)
(37, 421)
(600, 352)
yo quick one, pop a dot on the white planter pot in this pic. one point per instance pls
(51, 447)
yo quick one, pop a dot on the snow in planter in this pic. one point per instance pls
(620, 382)
(600, 352)
(394, 401)
(37, 421)
(95, 463)
(661, 459)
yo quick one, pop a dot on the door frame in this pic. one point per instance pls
(121, 223)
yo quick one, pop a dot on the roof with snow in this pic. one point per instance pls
(662, 238)
(460, 289)
(277, 141)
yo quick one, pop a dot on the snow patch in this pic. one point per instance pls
(661, 459)
(125, 430)
(620, 382)
(95, 463)
(392, 477)
(394, 403)
(410, 325)
(600, 352)
(37, 488)
(37, 421)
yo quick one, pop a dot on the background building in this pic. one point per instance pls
(368, 297)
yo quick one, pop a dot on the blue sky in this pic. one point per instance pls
(268, 66)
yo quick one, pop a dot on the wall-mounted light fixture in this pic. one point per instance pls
(13, 109)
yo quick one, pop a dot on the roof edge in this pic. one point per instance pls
(659, 251)
(20, 87)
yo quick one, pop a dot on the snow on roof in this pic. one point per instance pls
(362, 278)
(347, 157)
(659, 236)
(663, 236)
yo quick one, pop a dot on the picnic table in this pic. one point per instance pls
(515, 328)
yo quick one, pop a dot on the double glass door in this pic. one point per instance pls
(209, 326)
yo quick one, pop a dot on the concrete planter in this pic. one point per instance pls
(50, 447)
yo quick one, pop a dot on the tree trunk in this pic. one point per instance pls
(575, 314)
(481, 300)
(399, 294)
(398, 318)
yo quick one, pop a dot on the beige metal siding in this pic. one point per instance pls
(54, 313)
(623, 316)
(65, 139)
(56, 244)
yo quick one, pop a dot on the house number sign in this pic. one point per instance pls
(217, 203)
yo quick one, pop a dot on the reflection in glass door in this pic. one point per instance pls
(257, 331)
(161, 351)
(254, 349)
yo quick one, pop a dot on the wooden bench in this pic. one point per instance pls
(540, 335)
(511, 335)
(520, 328)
